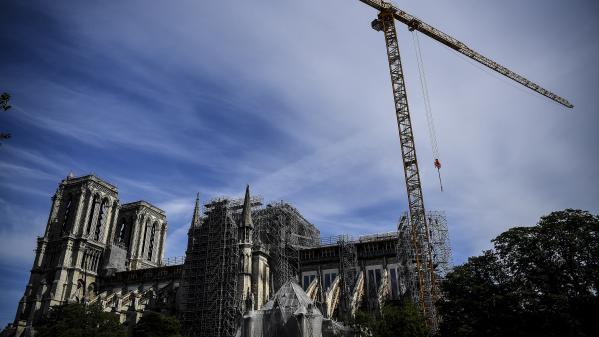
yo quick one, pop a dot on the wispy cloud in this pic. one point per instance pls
(16, 240)
(166, 100)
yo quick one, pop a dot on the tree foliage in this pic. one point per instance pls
(397, 319)
(78, 320)
(156, 325)
(4, 99)
(4, 104)
(538, 281)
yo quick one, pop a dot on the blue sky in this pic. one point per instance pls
(167, 98)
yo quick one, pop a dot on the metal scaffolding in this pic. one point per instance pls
(439, 238)
(211, 303)
(348, 264)
(283, 231)
(405, 258)
(436, 241)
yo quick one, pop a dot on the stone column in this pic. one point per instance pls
(266, 283)
(257, 279)
(140, 220)
(62, 276)
(113, 222)
(55, 288)
(161, 243)
(40, 251)
(37, 305)
(65, 253)
(143, 235)
(245, 273)
(260, 279)
(79, 258)
(132, 235)
(53, 210)
(106, 226)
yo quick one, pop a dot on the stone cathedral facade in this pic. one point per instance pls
(90, 235)
(250, 270)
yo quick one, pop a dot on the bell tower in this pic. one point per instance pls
(69, 255)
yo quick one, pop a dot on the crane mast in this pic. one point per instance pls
(417, 273)
(422, 273)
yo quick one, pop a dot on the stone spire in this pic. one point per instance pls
(195, 220)
(246, 215)
(245, 229)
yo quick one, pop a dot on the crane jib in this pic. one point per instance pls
(415, 23)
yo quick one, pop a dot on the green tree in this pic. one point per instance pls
(78, 320)
(537, 281)
(397, 319)
(156, 325)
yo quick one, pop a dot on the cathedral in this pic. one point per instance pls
(250, 270)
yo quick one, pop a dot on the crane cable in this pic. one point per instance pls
(427, 106)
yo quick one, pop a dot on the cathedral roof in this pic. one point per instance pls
(291, 300)
(143, 204)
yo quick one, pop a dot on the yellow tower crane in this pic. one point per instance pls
(419, 278)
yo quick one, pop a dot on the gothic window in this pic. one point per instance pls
(126, 235)
(152, 235)
(121, 233)
(91, 214)
(394, 284)
(371, 282)
(329, 278)
(101, 219)
(128, 229)
(67, 214)
(374, 279)
(308, 280)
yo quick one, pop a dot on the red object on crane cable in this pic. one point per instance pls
(438, 166)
